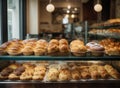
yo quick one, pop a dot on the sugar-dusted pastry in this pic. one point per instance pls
(112, 72)
(39, 72)
(84, 71)
(94, 72)
(65, 75)
(103, 73)
(41, 47)
(95, 48)
(52, 74)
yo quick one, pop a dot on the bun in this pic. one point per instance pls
(54, 41)
(15, 48)
(28, 48)
(77, 48)
(41, 47)
(63, 42)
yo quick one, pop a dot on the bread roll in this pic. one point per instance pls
(112, 72)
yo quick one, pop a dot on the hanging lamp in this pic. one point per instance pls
(50, 7)
(98, 6)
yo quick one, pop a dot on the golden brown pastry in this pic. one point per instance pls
(53, 48)
(77, 48)
(41, 47)
(64, 75)
(103, 73)
(63, 42)
(54, 41)
(15, 48)
(112, 72)
(52, 74)
(84, 71)
(28, 48)
(3, 48)
(94, 72)
(75, 74)
(27, 74)
(39, 73)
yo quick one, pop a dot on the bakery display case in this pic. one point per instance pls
(35, 63)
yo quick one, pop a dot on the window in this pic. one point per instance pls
(13, 19)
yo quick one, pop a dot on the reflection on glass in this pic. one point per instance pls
(13, 19)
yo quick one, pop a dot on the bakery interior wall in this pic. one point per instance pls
(37, 14)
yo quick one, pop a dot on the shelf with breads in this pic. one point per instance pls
(67, 72)
(32, 49)
(111, 23)
(73, 58)
(110, 33)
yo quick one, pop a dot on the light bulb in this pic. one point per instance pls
(50, 7)
(69, 6)
(72, 16)
(68, 11)
(98, 7)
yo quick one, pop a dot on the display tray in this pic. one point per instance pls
(106, 35)
(78, 81)
(59, 58)
(105, 27)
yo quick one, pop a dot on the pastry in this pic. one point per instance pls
(95, 48)
(3, 48)
(5, 73)
(77, 48)
(28, 48)
(52, 74)
(15, 48)
(75, 73)
(63, 42)
(15, 75)
(94, 72)
(64, 75)
(54, 41)
(41, 47)
(103, 73)
(39, 73)
(27, 74)
(84, 71)
(112, 72)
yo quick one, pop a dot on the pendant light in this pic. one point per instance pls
(50, 7)
(98, 7)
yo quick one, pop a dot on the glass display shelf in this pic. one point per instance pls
(75, 81)
(105, 27)
(106, 35)
(59, 58)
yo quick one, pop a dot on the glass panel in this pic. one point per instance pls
(13, 19)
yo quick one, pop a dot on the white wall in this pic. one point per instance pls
(33, 16)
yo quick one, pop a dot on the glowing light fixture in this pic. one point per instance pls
(75, 9)
(50, 7)
(72, 16)
(98, 7)
(68, 11)
(69, 6)
(67, 16)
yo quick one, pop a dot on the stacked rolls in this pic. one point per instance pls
(78, 48)
(41, 47)
(15, 48)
